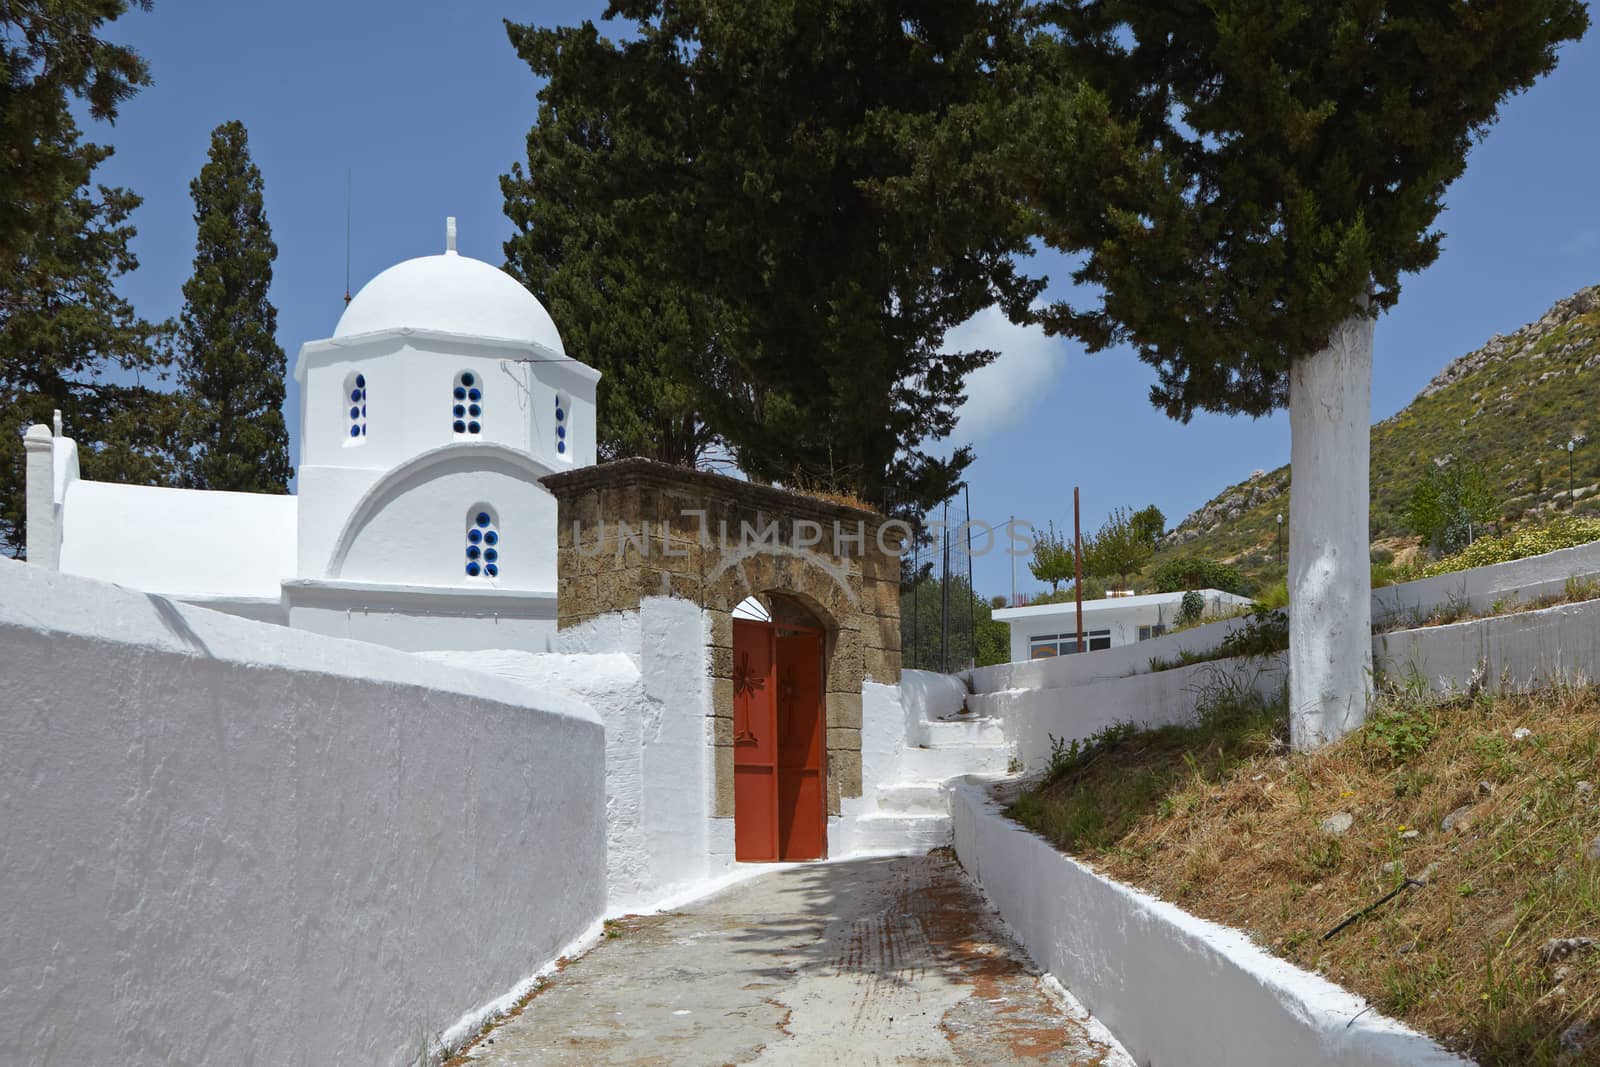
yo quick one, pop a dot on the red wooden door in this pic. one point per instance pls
(802, 811)
(755, 742)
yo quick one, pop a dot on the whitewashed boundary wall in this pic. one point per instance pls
(223, 841)
(1030, 717)
(658, 805)
(1475, 590)
(1173, 988)
(1505, 653)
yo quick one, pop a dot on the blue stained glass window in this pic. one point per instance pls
(356, 385)
(468, 396)
(473, 427)
(561, 431)
(355, 394)
(355, 413)
(461, 427)
(355, 431)
(460, 411)
(467, 379)
(474, 394)
(481, 535)
(560, 415)
(561, 446)
(460, 394)
(361, 381)
(474, 410)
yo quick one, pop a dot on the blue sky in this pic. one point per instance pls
(425, 104)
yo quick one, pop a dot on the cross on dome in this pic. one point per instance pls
(450, 235)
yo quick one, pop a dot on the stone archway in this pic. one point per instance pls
(635, 529)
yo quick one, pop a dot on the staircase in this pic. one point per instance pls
(913, 814)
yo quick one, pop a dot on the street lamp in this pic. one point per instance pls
(1280, 537)
(1571, 444)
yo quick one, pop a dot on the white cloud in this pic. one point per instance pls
(1002, 393)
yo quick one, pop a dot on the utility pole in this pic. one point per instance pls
(972, 594)
(944, 597)
(1011, 525)
(1077, 565)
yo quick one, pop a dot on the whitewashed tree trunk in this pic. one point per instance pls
(1330, 577)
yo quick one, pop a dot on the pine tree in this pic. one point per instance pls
(229, 363)
(69, 342)
(50, 54)
(1246, 182)
(772, 214)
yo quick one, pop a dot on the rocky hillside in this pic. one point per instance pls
(1511, 406)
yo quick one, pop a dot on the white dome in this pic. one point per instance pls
(450, 293)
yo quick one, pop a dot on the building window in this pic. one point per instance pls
(483, 543)
(1147, 632)
(466, 411)
(355, 405)
(563, 422)
(1048, 646)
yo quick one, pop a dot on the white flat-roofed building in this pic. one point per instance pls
(1041, 631)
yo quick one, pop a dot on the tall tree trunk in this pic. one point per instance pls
(1330, 577)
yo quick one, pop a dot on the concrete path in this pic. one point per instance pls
(872, 961)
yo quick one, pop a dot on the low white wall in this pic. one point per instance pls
(1478, 589)
(1030, 717)
(1506, 653)
(1174, 989)
(228, 842)
(660, 779)
(1085, 667)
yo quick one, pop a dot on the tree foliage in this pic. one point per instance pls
(1053, 558)
(1239, 176)
(1119, 549)
(921, 616)
(1192, 572)
(229, 363)
(70, 343)
(52, 55)
(1451, 506)
(1149, 523)
(761, 219)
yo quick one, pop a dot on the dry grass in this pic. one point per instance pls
(1217, 819)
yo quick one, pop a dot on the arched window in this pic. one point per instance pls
(563, 421)
(466, 411)
(355, 395)
(483, 543)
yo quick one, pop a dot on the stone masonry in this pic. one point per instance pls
(636, 528)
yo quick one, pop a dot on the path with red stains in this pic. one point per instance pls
(872, 961)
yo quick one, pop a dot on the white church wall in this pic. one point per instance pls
(179, 541)
(229, 843)
(413, 527)
(418, 618)
(325, 495)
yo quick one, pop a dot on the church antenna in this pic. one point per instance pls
(347, 237)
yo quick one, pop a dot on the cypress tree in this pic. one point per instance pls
(766, 217)
(1246, 182)
(229, 362)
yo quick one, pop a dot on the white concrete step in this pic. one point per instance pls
(940, 764)
(966, 730)
(913, 798)
(901, 833)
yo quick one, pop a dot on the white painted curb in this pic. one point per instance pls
(1173, 988)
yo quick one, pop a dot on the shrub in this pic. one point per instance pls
(1192, 607)
(1564, 532)
(1192, 572)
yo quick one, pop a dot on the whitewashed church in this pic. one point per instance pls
(426, 421)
